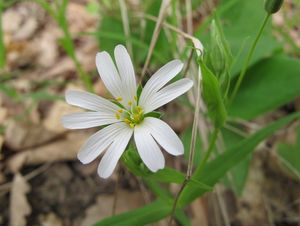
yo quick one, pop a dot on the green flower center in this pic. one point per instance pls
(131, 117)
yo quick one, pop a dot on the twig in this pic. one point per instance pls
(194, 129)
(4, 188)
(161, 17)
(188, 62)
(126, 26)
(189, 16)
(197, 44)
(192, 147)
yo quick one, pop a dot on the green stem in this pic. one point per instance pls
(185, 182)
(209, 151)
(249, 56)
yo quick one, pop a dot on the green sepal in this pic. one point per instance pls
(117, 103)
(138, 92)
(154, 114)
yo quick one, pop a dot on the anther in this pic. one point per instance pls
(139, 109)
(119, 99)
(127, 121)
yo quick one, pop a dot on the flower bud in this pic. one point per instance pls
(272, 6)
(219, 57)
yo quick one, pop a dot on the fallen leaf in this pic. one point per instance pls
(61, 150)
(80, 20)
(19, 206)
(104, 204)
(50, 220)
(3, 114)
(53, 119)
(21, 135)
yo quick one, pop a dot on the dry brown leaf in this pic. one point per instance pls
(19, 136)
(47, 45)
(53, 119)
(199, 213)
(61, 150)
(103, 207)
(50, 220)
(3, 114)
(79, 18)
(63, 65)
(19, 206)
(7, 18)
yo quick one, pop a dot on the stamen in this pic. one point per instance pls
(119, 99)
(135, 98)
(134, 116)
(130, 103)
(120, 110)
(139, 109)
(127, 121)
(118, 116)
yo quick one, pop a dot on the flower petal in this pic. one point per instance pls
(89, 101)
(167, 94)
(83, 120)
(112, 155)
(109, 74)
(164, 135)
(148, 149)
(159, 79)
(98, 142)
(126, 72)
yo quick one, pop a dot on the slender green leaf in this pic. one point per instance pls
(217, 168)
(268, 85)
(141, 216)
(238, 174)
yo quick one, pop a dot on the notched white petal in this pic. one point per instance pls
(148, 149)
(159, 79)
(164, 135)
(83, 120)
(126, 71)
(98, 142)
(112, 155)
(89, 101)
(167, 94)
(109, 73)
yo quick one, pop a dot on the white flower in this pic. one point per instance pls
(128, 114)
